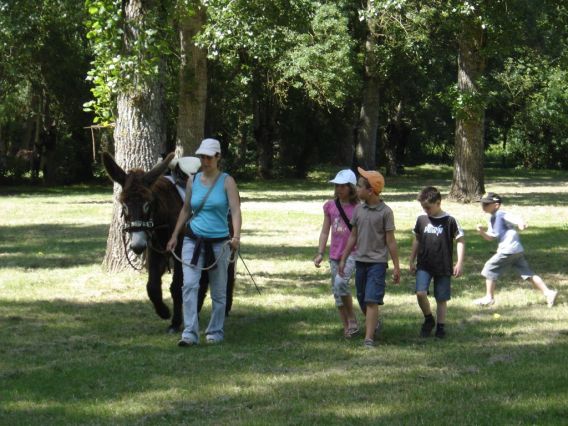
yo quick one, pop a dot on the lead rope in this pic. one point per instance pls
(126, 253)
(226, 244)
(236, 254)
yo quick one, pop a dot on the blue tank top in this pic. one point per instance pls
(211, 220)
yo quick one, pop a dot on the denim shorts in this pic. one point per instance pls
(370, 282)
(340, 284)
(442, 284)
(499, 263)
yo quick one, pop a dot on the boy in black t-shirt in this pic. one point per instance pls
(434, 233)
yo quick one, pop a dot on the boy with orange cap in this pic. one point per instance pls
(373, 233)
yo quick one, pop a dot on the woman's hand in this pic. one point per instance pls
(172, 243)
(235, 242)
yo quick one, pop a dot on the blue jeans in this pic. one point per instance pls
(370, 283)
(218, 289)
(442, 284)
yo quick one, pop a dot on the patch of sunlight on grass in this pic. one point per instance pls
(86, 284)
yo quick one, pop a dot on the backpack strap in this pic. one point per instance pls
(342, 213)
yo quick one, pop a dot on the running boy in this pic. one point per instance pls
(434, 232)
(337, 214)
(510, 252)
(373, 233)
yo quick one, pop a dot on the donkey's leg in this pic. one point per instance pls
(203, 286)
(230, 287)
(175, 291)
(156, 268)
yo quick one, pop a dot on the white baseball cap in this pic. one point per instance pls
(343, 177)
(209, 147)
(188, 165)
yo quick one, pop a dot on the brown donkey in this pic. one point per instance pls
(151, 206)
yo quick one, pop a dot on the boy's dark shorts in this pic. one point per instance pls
(370, 282)
(442, 284)
(500, 262)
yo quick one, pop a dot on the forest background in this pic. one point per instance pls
(285, 85)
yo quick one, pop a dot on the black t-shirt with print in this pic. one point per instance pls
(435, 236)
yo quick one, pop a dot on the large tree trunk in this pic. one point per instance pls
(468, 180)
(139, 136)
(366, 135)
(192, 99)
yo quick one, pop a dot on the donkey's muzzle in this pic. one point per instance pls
(138, 241)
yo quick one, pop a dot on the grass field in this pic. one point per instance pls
(79, 346)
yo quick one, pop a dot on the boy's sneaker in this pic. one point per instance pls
(551, 297)
(484, 301)
(427, 327)
(440, 333)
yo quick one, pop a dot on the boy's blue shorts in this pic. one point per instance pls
(370, 282)
(442, 284)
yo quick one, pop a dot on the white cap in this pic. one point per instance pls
(188, 165)
(344, 176)
(209, 147)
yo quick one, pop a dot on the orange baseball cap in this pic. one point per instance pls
(376, 180)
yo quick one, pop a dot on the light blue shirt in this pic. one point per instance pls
(502, 227)
(211, 220)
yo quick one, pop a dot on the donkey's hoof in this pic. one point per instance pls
(163, 311)
(173, 329)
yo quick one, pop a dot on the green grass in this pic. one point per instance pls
(79, 346)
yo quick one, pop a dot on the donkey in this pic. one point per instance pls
(151, 205)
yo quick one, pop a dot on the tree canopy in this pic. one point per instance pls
(290, 84)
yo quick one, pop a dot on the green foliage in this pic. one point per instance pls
(539, 133)
(126, 54)
(300, 44)
(320, 63)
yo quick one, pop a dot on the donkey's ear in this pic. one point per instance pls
(158, 170)
(113, 170)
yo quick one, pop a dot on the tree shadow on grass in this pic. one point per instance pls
(67, 362)
(52, 246)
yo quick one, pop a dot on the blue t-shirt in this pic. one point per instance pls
(211, 220)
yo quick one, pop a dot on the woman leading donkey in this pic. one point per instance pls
(207, 244)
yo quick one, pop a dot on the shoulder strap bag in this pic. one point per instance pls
(342, 213)
(198, 209)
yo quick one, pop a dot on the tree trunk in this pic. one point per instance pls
(366, 135)
(139, 136)
(3, 149)
(468, 179)
(192, 101)
(393, 140)
(346, 153)
(264, 118)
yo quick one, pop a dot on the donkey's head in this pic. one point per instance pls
(137, 198)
